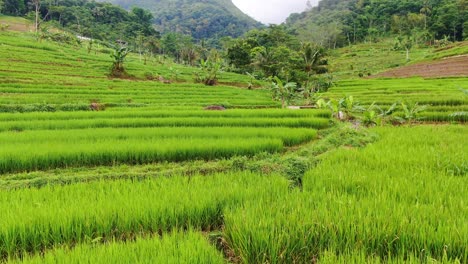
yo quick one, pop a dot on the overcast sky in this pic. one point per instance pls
(271, 11)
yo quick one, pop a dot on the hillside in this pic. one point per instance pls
(201, 19)
(95, 169)
(448, 67)
(48, 63)
(378, 59)
(342, 22)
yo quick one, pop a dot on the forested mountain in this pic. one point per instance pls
(339, 22)
(200, 19)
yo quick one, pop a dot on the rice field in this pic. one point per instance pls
(155, 178)
(37, 219)
(444, 97)
(402, 199)
(175, 247)
(48, 77)
(41, 141)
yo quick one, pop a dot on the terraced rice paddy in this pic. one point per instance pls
(39, 141)
(443, 97)
(175, 247)
(33, 220)
(141, 181)
(68, 78)
(402, 199)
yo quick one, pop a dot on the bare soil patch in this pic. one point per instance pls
(18, 26)
(448, 67)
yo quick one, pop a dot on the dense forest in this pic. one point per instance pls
(339, 22)
(102, 21)
(275, 51)
(200, 19)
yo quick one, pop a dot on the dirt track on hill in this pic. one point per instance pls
(448, 67)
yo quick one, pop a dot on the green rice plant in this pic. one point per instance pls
(289, 136)
(149, 112)
(45, 149)
(48, 155)
(37, 219)
(74, 76)
(436, 93)
(174, 247)
(316, 123)
(402, 198)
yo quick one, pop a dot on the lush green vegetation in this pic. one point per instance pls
(91, 19)
(442, 96)
(38, 82)
(337, 23)
(400, 199)
(33, 220)
(176, 247)
(89, 147)
(342, 215)
(368, 59)
(202, 20)
(141, 168)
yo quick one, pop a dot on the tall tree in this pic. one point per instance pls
(37, 9)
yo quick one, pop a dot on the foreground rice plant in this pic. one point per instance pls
(401, 198)
(174, 247)
(37, 219)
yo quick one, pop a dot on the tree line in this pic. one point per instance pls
(336, 23)
(96, 20)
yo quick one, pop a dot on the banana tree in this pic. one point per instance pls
(285, 92)
(411, 112)
(210, 69)
(252, 78)
(376, 115)
(119, 55)
(348, 107)
(385, 115)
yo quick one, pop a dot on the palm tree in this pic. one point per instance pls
(263, 60)
(426, 11)
(312, 59)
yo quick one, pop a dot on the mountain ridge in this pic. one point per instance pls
(200, 19)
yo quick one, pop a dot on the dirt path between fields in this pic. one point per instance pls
(448, 67)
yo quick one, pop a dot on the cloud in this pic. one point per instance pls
(271, 11)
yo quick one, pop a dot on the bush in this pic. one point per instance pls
(4, 27)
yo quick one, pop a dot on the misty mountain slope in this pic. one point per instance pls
(201, 19)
